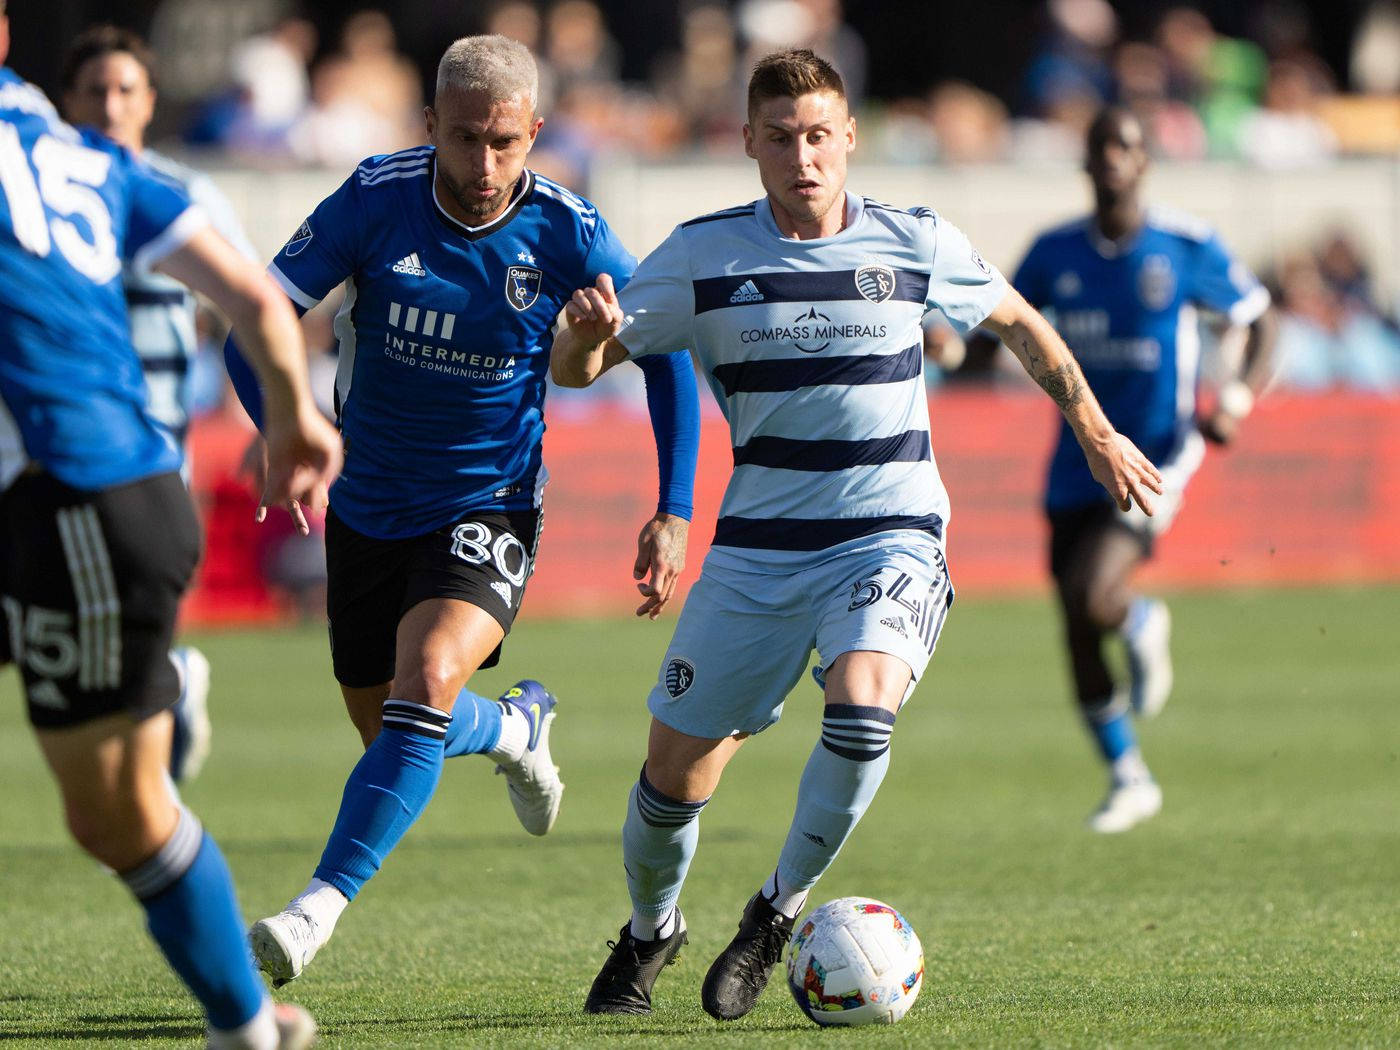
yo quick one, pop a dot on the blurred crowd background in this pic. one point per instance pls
(1278, 85)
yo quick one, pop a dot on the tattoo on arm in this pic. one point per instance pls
(1065, 384)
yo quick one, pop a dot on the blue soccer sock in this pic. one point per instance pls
(1111, 727)
(475, 726)
(386, 791)
(188, 897)
(837, 787)
(658, 841)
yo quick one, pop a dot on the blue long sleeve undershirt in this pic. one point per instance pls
(672, 403)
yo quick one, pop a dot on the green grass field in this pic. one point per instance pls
(1262, 908)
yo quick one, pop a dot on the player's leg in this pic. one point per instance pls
(440, 643)
(94, 582)
(1093, 557)
(882, 615)
(737, 651)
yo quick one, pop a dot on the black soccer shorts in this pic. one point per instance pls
(1074, 534)
(91, 585)
(484, 558)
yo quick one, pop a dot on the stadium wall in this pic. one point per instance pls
(1310, 494)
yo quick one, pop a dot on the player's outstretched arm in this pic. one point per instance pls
(1237, 397)
(587, 346)
(1116, 462)
(303, 448)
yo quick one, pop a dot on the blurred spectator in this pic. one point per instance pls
(1330, 333)
(365, 98)
(1174, 131)
(703, 80)
(521, 20)
(969, 125)
(1287, 132)
(768, 25)
(269, 92)
(1221, 77)
(194, 37)
(1072, 64)
(902, 135)
(1375, 50)
(578, 47)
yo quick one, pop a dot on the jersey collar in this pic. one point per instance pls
(855, 210)
(523, 186)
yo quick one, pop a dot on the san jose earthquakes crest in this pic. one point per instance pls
(299, 240)
(523, 286)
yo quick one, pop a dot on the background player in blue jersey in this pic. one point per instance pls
(109, 84)
(805, 310)
(1123, 286)
(97, 534)
(456, 261)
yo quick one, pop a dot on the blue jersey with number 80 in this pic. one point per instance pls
(73, 207)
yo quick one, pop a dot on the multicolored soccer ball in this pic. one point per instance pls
(855, 961)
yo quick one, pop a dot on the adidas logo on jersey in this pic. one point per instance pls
(410, 266)
(502, 590)
(746, 293)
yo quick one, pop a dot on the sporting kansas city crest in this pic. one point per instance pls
(523, 286)
(875, 282)
(679, 674)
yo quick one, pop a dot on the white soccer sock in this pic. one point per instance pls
(323, 902)
(258, 1033)
(515, 735)
(785, 899)
(1130, 768)
(647, 928)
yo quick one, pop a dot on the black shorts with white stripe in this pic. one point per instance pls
(91, 583)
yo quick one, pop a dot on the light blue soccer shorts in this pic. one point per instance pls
(744, 637)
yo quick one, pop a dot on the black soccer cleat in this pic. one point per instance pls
(623, 985)
(737, 978)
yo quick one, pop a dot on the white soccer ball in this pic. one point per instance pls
(855, 961)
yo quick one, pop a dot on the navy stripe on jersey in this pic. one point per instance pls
(912, 446)
(715, 216)
(166, 364)
(814, 534)
(801, 286)
(794, 373)
(155, 297)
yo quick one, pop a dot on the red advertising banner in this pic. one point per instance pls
(1310, 493)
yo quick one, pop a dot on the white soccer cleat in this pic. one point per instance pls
(1150, 660)
(533, 781)
(193, 732)
(296, 1028)
(1126, 806)
(285, 943)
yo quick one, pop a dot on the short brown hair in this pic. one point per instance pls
(96, 41)
(792, 74)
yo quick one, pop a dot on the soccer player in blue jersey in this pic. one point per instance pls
(98, 537)
(456, 262)
(1123, 286)
(108, 83)
(804, 309)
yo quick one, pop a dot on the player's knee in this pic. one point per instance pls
(868, 679)
(1105, 606)
(436, 681)
(117, 835)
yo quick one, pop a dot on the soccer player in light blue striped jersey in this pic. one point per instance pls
(804, 310)
(109, 84)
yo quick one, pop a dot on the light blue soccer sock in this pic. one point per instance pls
(386, 791)
(1111, 727)
(475, 726)
(191, 911)
(658, 841)
(837, 787)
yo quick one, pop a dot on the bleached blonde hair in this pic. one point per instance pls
(495, 64)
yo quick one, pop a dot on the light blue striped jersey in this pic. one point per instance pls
(1128, 311)
(814, 352)
(162, 310)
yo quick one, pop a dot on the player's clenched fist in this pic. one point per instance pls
(593, 313)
